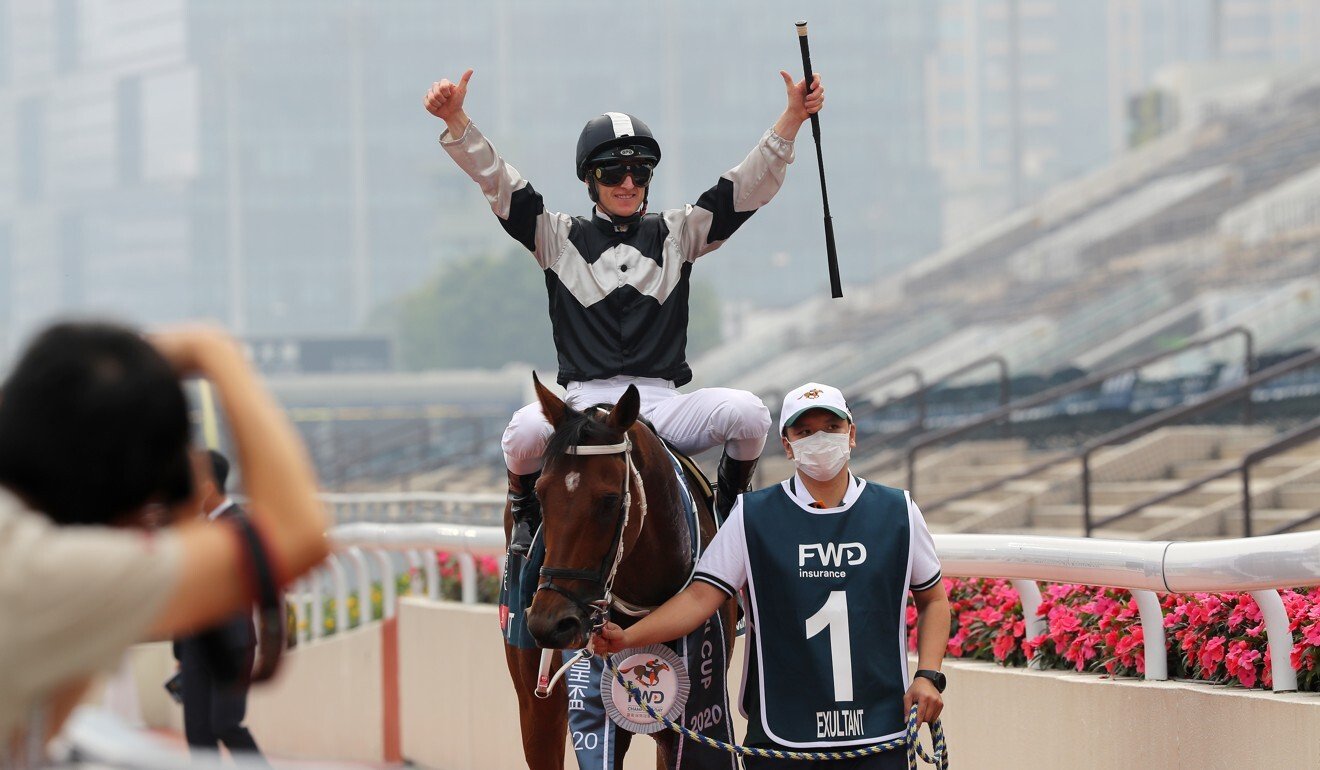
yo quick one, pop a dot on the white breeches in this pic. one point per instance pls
(692, 422)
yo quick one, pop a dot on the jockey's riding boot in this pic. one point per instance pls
(735, 477)
(525, 509)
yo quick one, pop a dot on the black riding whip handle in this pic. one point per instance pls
(836, 284)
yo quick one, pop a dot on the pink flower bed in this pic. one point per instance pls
(1216, 638)
(451, 577)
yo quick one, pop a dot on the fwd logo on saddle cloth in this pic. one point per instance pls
(836, 555)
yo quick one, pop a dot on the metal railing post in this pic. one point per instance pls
(467, 568)
(1086, 492)
(1246, 500)
(1280, 639)
(1249, 342)
(388, 583)
(1029, 594)
(921, 405)
(299, 597)
(359, 560)
(318, 605)
(1152, 635)
(415, 573)
(912, 471)
(340, 577)
(432, 566)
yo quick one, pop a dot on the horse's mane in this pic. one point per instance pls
(580, 428)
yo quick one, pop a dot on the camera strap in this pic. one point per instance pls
(270, 609)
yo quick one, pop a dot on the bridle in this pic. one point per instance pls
(598, 609)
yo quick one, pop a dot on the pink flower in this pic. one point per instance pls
(1130, 642)
(1003, 645)
(1212, 653)
(1062, 620)
(1245, 668)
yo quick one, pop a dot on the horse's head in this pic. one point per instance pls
(589, 500)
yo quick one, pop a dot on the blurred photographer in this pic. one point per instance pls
(93, 443)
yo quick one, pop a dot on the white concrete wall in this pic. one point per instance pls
(153, 664)
(1016, 719)
(458, 711)
(325, 703)
(457, 705)
(994, 717)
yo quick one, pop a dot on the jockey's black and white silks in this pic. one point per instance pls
(618, 297)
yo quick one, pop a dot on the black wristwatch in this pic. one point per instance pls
(936, 677)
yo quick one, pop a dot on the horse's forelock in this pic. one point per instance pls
(581, 429)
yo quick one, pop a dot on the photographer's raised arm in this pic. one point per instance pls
(281, 487)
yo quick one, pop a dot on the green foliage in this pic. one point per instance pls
(481, 312)
(490, 311)
(704, 325)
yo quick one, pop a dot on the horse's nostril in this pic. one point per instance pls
(568, 628)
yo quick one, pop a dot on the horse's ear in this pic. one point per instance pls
(624, 413)
(551, 406)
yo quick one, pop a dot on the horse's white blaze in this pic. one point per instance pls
(571, 480)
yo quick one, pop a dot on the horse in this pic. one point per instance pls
(616, 541)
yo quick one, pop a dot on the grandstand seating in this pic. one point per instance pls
(1214, 227)
(1170, 236)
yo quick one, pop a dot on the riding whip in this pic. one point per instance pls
(836, 286)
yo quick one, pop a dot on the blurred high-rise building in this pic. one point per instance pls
(269, 164)
(1027, 93)
(235, 160)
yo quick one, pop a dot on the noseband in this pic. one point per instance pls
(597, 610)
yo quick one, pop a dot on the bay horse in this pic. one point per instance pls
(616, 540)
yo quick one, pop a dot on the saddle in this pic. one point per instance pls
(697, 481)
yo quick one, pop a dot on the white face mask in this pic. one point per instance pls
(821, 455)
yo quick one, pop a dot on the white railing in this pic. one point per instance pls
(357, 545)
(1259, 565)
(414, 506)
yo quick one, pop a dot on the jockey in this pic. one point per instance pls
(618, 283)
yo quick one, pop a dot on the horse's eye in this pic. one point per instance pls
(608, 505)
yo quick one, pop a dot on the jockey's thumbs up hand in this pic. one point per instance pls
(445, 99)
(609, 640)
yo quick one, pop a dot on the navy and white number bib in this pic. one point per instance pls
(828, 590)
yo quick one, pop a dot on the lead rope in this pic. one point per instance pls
(910, 740)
